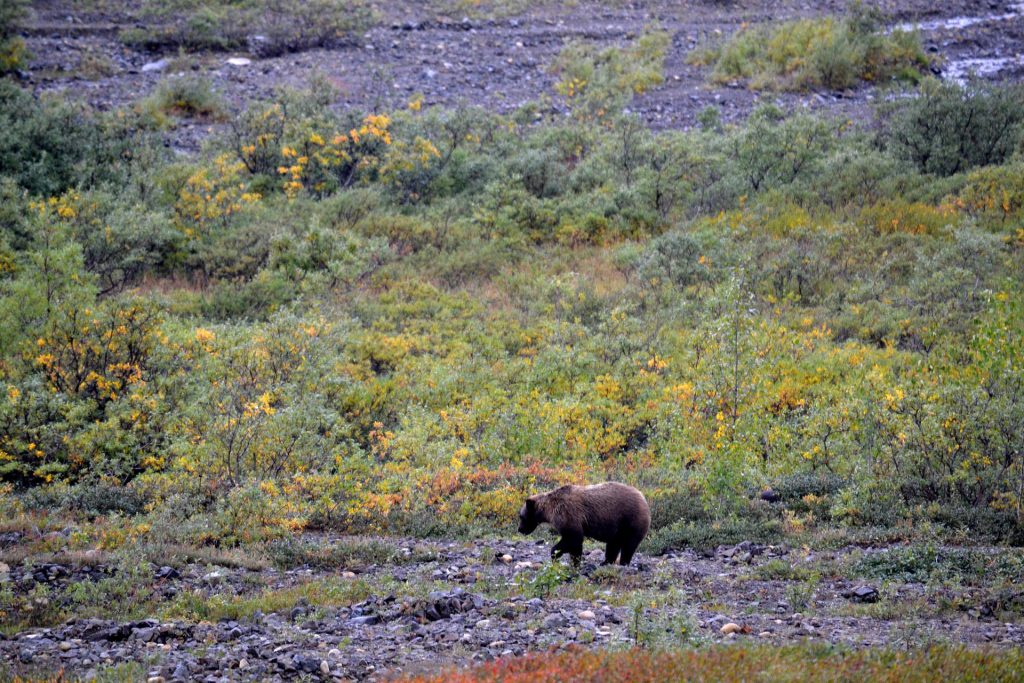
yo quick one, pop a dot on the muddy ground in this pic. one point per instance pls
(453, 603)
(502, 62)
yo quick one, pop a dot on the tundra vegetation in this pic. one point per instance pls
(404, 322)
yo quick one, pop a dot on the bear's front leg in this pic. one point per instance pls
(572, 545)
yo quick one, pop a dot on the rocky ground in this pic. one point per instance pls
(500, 61)
(436, 603)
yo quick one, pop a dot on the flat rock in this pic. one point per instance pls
(156, 67)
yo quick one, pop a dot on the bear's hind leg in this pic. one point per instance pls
(628, 548)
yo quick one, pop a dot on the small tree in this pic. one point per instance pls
(950, 128)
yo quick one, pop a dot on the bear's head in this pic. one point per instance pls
(529, 517)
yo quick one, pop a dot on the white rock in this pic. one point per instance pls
(158, 65)
(587, 615)
(214, 577)
(239, 61)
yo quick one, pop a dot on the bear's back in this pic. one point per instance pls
(613, 509)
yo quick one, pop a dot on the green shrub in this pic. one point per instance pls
(675, 506)
(268, 293)
(776, 151)
(924, 563)
(547, 580)
(188, 96)
(674, 258)
(950, 128)
(13, 55)
(598, 84)
(289, 553)
(981, 524)
(795, 487)
(92, 499)
(49, 145)
(706, 536)
(994, 193)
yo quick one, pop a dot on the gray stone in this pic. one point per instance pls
(554, 620)
(863, 594)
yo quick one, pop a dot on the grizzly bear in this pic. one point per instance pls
(611, 513)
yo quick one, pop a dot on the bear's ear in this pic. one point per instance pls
(531, 505)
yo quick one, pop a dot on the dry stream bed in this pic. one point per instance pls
(432, 603)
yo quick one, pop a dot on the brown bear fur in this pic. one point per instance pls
(612, 513)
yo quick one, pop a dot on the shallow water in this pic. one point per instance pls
(961, 70)
(952, 23)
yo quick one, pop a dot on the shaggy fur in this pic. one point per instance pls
(612, 513)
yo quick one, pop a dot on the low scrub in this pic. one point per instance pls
(830, 52)
(184, 96)
(266, 27)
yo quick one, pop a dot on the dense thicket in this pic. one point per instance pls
(405, 320)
